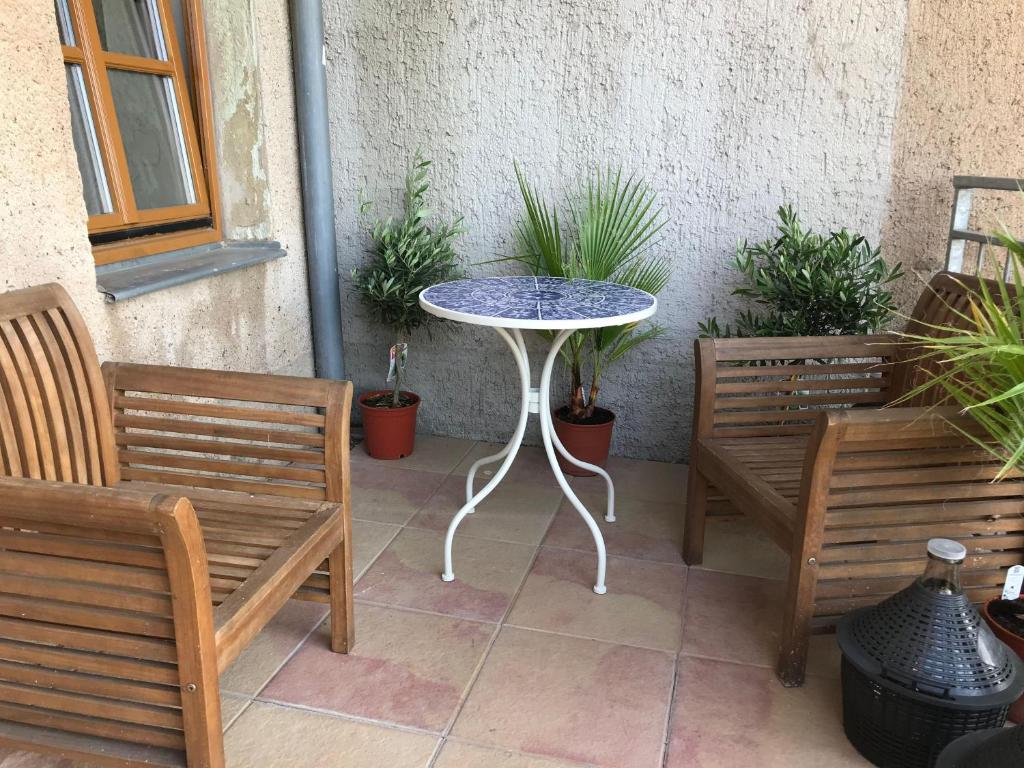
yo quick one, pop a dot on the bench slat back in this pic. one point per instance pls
(942, 303)
(892, 489)
(223, 431)
(54, 417)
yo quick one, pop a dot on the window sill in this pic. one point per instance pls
(128, 279)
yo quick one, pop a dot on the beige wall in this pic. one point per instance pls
(255, 319)
(729, 108)
(961, 112)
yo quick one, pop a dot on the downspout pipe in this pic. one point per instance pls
(309, 60)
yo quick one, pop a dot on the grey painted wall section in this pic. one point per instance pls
(729, 108)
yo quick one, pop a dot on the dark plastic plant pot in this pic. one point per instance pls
(1016, 643)
(389, 433)
(586, 442)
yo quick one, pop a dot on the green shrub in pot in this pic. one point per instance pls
(407, 255)
(805, 284)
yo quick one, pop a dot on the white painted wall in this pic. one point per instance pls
(729, 108)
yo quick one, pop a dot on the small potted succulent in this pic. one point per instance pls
(407, 255)
(611, 228)
(981, 370)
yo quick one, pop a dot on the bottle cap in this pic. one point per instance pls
(947, 550)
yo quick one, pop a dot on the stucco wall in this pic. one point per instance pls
(728, 108)
(255, 319)
(960, 113)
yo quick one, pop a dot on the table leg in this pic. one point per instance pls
(479, 463)
(547, 432)
(514, 339)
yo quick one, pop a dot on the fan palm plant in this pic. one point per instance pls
(610, 229)
(980, 362)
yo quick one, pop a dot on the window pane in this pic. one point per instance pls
(130, 26)
(67, 32)
(83, 132)
(181, 31)
(147, 113)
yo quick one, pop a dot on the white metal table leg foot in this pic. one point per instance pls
(550, 439)
(514, 339)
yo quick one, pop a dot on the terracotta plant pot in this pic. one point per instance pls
(389, 433)
(1016, 643)
(587, 442)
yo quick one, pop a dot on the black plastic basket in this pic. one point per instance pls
(920, 670)
(996, 748)
(895, 730)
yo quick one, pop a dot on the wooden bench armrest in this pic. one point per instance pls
(82, 506)
(112, 582)
(898, 425)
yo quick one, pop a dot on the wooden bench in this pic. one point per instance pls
(152, 521)
(789, 431)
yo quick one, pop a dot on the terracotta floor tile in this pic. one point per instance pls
(408, 574)
(530, 464)
(272, 646)
(739, 618)
(643, 605)
(570, 699)
(385, 493)
(407, 668)
(642, 480)
(515, 511)
(368, 541)
(734, 544)
(733, 716)
(269, 735)
(231, 706)
(649, 530)
(432, 453)
(455, 754)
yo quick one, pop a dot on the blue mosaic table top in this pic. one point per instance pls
(538, 302)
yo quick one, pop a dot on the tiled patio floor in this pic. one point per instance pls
(518, 664)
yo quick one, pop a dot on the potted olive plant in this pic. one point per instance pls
(407, 255)
(802, 283)
(611, 227)
(981, 370)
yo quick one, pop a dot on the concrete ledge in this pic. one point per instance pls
(128, 279)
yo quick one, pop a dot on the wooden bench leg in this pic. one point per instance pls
(342, 624)
(796, 623)
(696, 514)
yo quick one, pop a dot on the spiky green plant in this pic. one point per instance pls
(612, 224)
(980, 362)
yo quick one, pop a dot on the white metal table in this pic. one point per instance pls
(511, 305)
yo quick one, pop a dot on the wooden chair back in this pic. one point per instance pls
(227, 431)
(942, 303)
(54, 415)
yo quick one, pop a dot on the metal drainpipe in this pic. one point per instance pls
(309, 58)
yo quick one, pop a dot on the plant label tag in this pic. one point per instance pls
(1014, 580)
(397, 359)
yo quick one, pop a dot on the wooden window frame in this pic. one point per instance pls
(95, 62)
